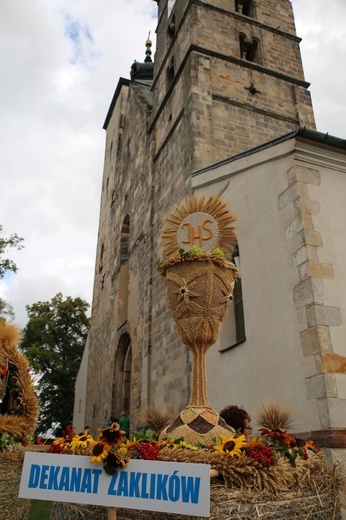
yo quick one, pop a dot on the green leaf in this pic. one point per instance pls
(53, 341)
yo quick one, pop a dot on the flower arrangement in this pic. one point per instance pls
(3, 370)
(10, 443)
(193, 253)
(115, 451)
(287, 445)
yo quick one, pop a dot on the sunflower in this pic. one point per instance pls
(61, 441)
(114, 462)
(111, 436)
(253, 442)
(99, 452)
(185, 445)
(231, 445)
(81, 441)
(131, 445)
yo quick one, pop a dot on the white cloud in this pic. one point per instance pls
(323, 48)
(61, 61)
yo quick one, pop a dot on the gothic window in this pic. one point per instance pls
(233, 329)
(245, 7)
(171, 29)
(249, 49)
(123, 275)
(122, 376)
(101, 258)
(124, 241)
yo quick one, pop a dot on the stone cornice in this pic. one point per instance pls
(333, 438)
(248, 106)
(321, 156)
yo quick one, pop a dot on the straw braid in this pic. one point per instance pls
(24, 424)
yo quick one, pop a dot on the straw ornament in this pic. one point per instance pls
(23, 424)
(202, 222)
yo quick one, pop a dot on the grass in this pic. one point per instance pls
(39, 510)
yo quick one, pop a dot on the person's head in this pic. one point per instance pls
(123, 414)
(237, 418)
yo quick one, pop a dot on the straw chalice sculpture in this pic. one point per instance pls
(199, 285)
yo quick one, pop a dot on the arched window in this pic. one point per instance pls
(171, 29)
(249, 49)
(170, 73)
(233, 329)
(123, 276)
(124, 240)
(121, 391)
(102, 252)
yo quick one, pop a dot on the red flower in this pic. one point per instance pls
(282, 435)
(68, 432)
(56, 448)
(4, 371)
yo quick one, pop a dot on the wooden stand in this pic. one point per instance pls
(112, 513)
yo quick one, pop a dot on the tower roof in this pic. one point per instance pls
(144, 71)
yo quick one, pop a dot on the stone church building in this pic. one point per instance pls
(223, 108)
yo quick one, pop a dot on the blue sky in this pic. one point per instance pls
(61, 61)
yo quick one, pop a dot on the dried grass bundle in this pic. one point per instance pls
(156, 418)
(315, 499)
(274, 416)
(12, 507)
(24, 424)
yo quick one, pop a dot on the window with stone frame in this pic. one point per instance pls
(124, 240)
(102, 252)
(123, 274)
(171, 29)
(245, 7)
(233, 329)
(170, 73)
(121, 391)
(249, 48)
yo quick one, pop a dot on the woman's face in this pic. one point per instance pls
(247, 428)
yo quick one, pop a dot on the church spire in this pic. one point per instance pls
(144, 71)
(148, 52)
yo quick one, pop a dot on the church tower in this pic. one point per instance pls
(228, 76)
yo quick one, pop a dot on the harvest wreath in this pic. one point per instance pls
(18, 415)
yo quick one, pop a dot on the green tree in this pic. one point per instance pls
(53, 341)
(8, 265)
